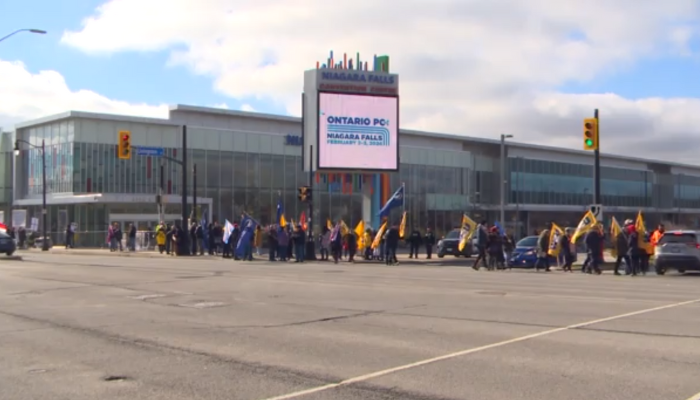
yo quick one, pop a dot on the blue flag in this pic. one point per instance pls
(247, 227)
(281, 220)
(228, 230)
(498, 226)
(396, 200)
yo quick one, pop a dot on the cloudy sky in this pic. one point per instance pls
(533, 69)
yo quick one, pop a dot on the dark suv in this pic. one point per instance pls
(450, 245)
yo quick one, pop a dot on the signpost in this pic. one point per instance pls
(150, 151)
(597, 210)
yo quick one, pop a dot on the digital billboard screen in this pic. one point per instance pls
(358, 132)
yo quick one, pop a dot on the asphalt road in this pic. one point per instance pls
(97, 327)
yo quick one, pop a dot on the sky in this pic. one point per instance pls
(533, 69)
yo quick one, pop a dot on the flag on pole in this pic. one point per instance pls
(615, 230)
(588, 222)
(555, 235)
(467, 231)
(402, 226)
(228, 230)
(378, 236)
(281, 220)
(396, 200)
(360, 232)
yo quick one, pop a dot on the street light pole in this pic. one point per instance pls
(45, 242)
(44, 228)
(38, 31)
(503, 178)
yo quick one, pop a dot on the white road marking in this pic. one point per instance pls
(694, 397)
(465, 352)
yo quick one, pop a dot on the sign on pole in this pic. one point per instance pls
(597, 211)
(150, 151)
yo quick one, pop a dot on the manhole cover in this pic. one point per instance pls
(115, 378)
(147, 296)
(203, 304)
(190, 277)
(492, 293)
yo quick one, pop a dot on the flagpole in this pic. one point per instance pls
(403, 185)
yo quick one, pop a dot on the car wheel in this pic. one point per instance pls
(681, 271)
(441, 255)
(660, 270)
(9, 253)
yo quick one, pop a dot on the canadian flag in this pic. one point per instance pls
(3, 228)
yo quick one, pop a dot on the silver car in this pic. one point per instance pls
(677, 250)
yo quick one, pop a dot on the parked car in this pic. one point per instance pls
(7, 244)
(449, 245)
(677, 250)
(525, 255)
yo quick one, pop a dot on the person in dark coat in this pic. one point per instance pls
(593, 244)
(567, 255)
(429, 241)
(543, 250)
(272, 242)
(351, 243)
(392, 243)
(299, 240)
(633, 250)
(495, 249)
(621, 246)
(414, 240)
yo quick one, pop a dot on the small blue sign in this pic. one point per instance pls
(293, 140)
(150, 151)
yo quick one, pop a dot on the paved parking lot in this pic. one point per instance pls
(95, 327)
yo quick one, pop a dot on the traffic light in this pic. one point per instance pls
(304, 194)
(124, 148)
(590, 134)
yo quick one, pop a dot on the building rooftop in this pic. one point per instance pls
(283, 118)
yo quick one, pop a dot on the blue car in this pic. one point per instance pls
(524, 255)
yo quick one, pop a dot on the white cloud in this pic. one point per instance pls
(247, 107)
(475, 67)
(27, 96)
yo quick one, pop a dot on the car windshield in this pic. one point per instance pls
(678, 237)
(454, 234)
(530, 241)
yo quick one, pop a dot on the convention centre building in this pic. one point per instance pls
(247, 162)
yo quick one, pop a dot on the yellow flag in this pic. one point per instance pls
(555, 235)
(291, 222)
(282, 221)
(402, 227)
(468, 230)
(329, 224)
(360, 232)
(344, 230)
(641, 233)
(587, 223)
(378, 236)
(615, 230)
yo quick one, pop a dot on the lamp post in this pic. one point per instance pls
(38, 31)
(503, 177)
(45, 242)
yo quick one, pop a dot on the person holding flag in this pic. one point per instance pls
(336, 242)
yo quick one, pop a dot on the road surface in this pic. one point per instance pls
(95, 327)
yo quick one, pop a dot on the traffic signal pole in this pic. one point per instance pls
(596, 164)
(310, 254)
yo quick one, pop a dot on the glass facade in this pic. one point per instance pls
(249, 171)
(558, 183)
